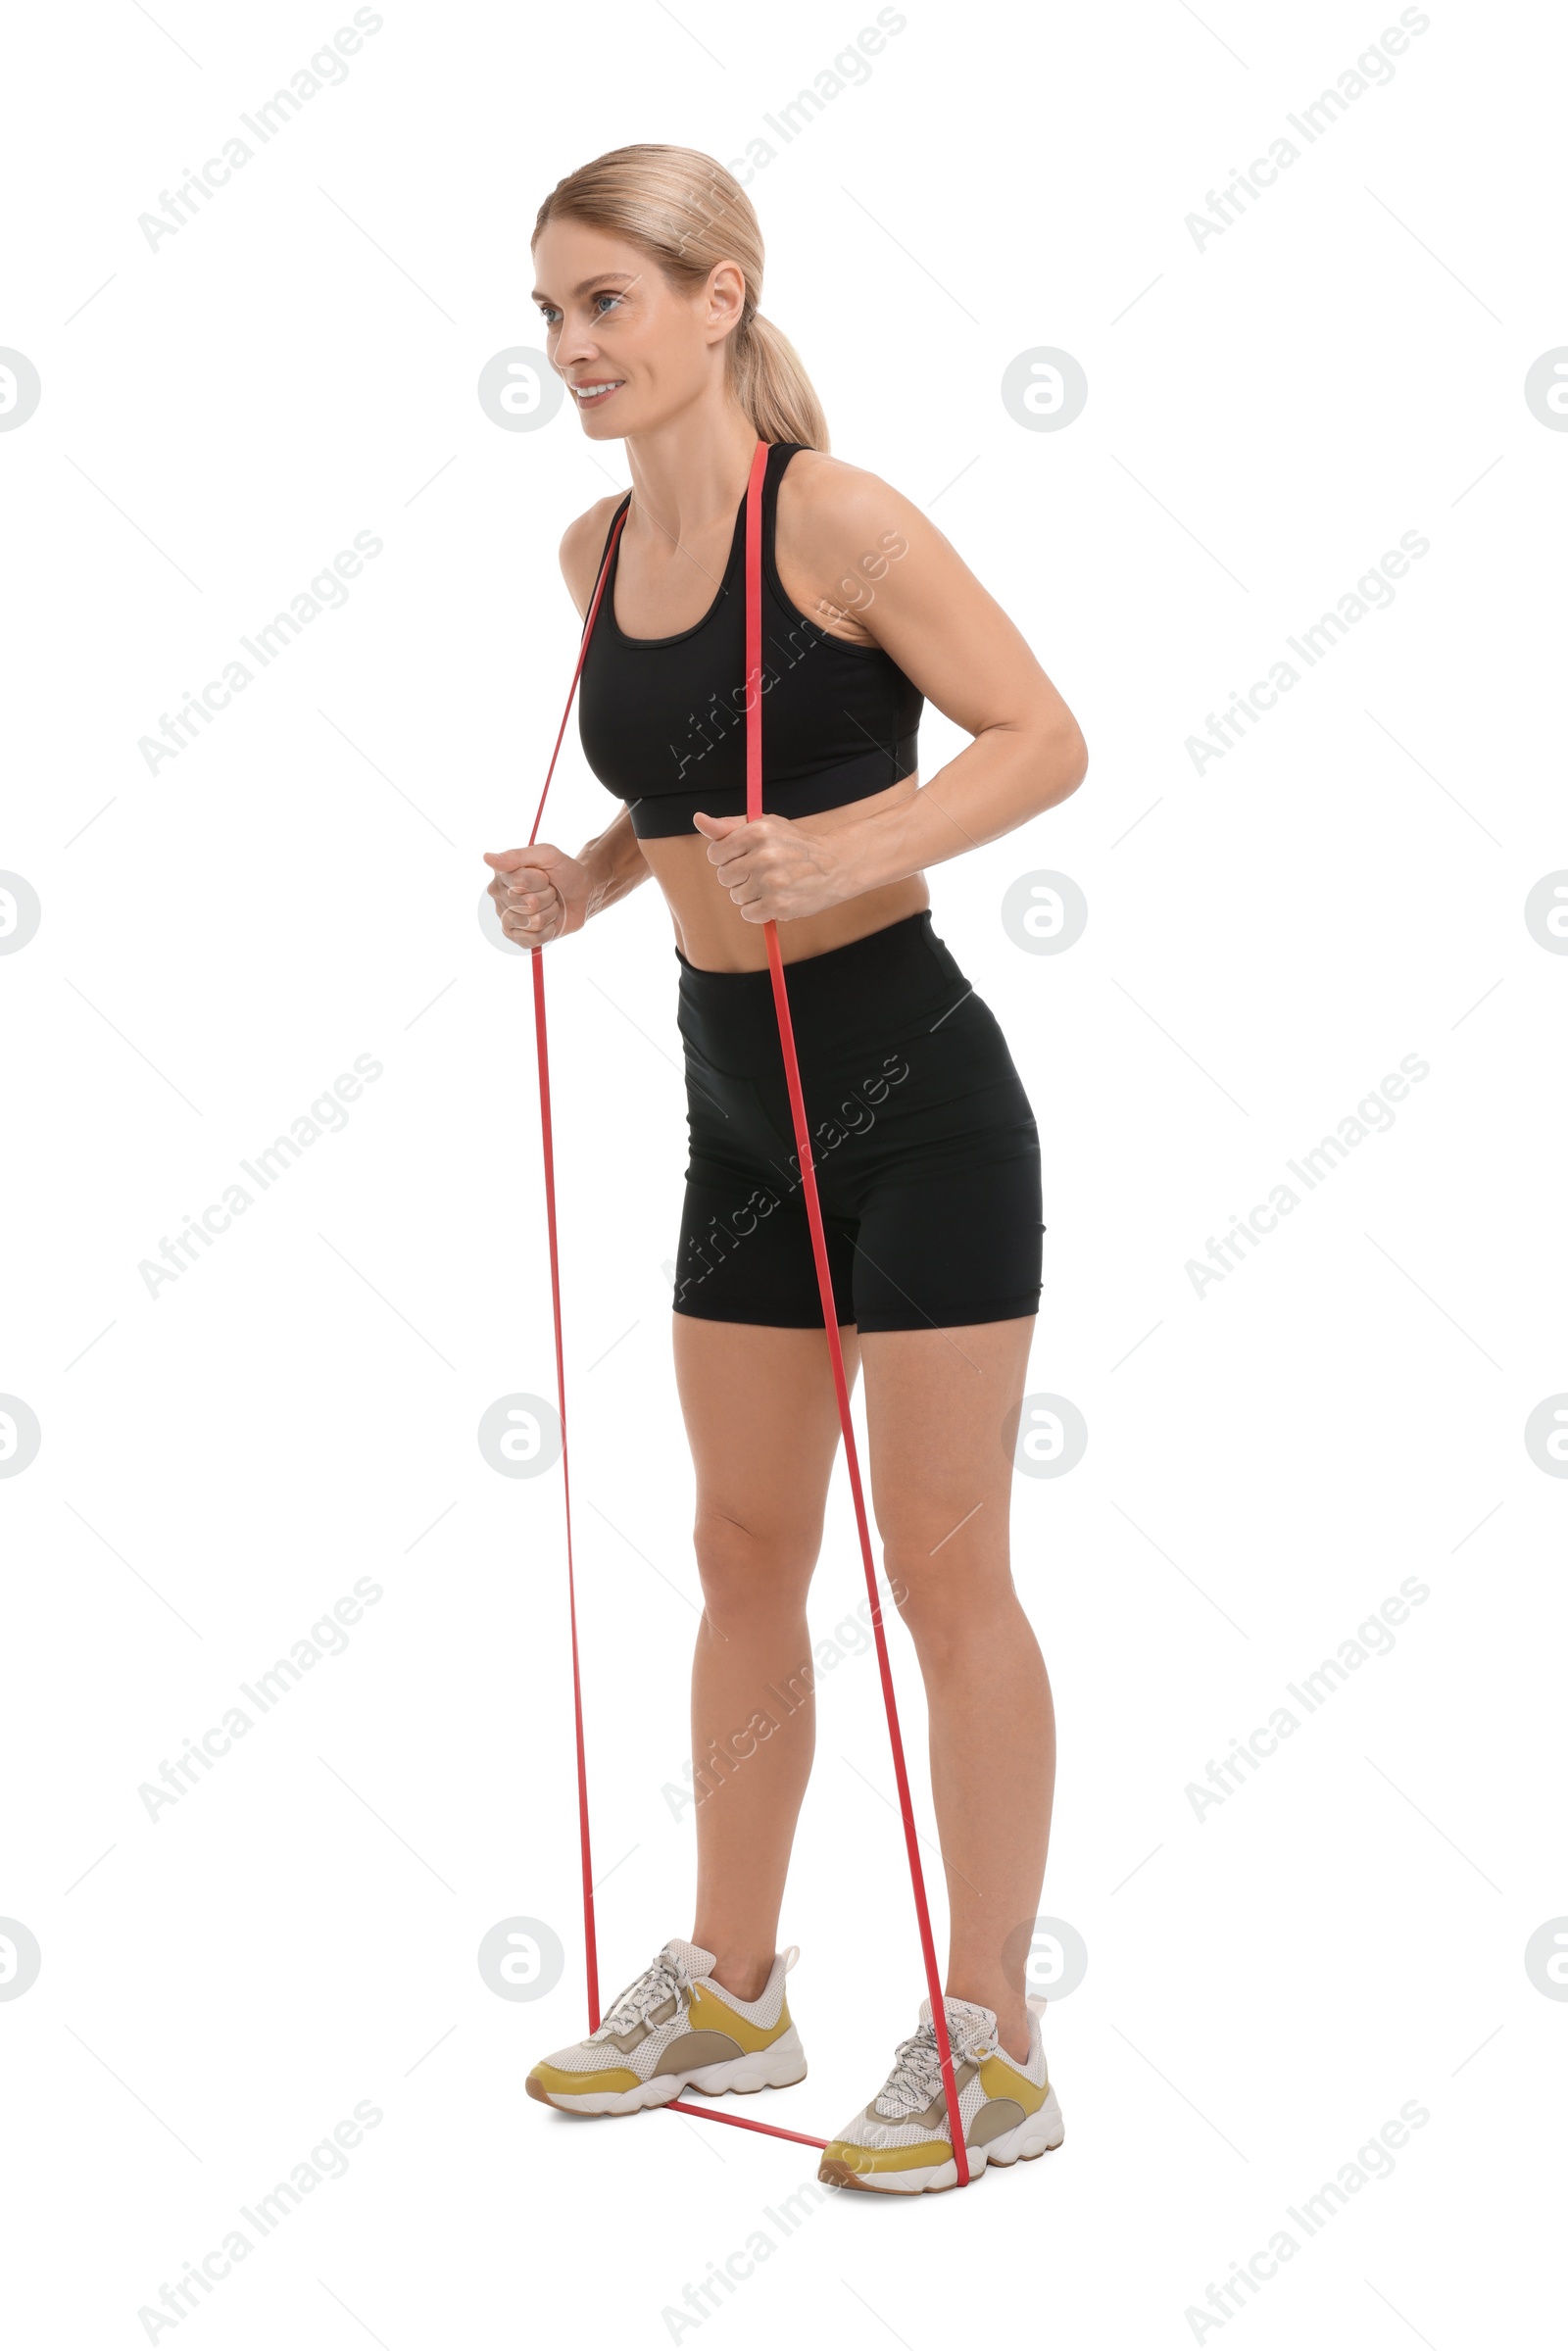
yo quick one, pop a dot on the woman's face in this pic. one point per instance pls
(633, 349)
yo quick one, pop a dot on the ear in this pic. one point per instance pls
(725, 297)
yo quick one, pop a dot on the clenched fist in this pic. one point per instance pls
(540, 893)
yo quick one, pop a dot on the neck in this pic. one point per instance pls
(689, 474)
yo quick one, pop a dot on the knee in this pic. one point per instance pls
(952, 1615)
(751, 1574)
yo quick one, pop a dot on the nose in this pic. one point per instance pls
(575, 348)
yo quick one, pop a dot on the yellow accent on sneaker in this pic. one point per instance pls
(1001, 2077)
(710, 2012)
(928, 2153)
(554, 2083)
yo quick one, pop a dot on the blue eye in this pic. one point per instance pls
(552, 316)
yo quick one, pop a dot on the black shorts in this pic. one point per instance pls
(926, 1151)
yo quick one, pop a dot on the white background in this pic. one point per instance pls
(1266, 414)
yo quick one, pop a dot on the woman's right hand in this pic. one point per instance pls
(540, 893)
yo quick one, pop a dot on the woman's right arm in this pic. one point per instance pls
(540, 893)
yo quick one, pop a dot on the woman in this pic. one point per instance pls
(650, 265)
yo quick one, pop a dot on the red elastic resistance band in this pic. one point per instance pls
(824, 1280)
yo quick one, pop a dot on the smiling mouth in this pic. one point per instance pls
(588, 395)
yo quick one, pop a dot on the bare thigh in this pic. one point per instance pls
(941, 1411)
(762, 1423)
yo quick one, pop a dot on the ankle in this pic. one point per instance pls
(1012, 2024)
(742, 1974)
(1012, 2033)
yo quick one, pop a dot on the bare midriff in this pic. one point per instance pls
(710, 930)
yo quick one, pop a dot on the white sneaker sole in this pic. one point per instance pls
(1037, 2134)
(776, 2067)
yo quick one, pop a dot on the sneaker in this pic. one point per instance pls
(901, 2144)
(673, 2030)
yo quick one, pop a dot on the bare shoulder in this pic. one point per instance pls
(825, 505)
(582, 543)
(840, 527)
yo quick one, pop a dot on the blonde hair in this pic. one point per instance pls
(686, 212)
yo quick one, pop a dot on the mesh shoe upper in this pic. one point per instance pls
(909, 2110)
(672, 1998)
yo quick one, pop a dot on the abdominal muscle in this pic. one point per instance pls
(710, 930)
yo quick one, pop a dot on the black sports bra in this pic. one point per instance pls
(662, 722)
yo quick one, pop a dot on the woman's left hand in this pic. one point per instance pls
(775, 870)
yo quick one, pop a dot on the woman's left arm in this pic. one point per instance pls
(912, 594)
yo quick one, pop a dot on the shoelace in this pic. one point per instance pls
(651, 1990)
(916, 2074)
